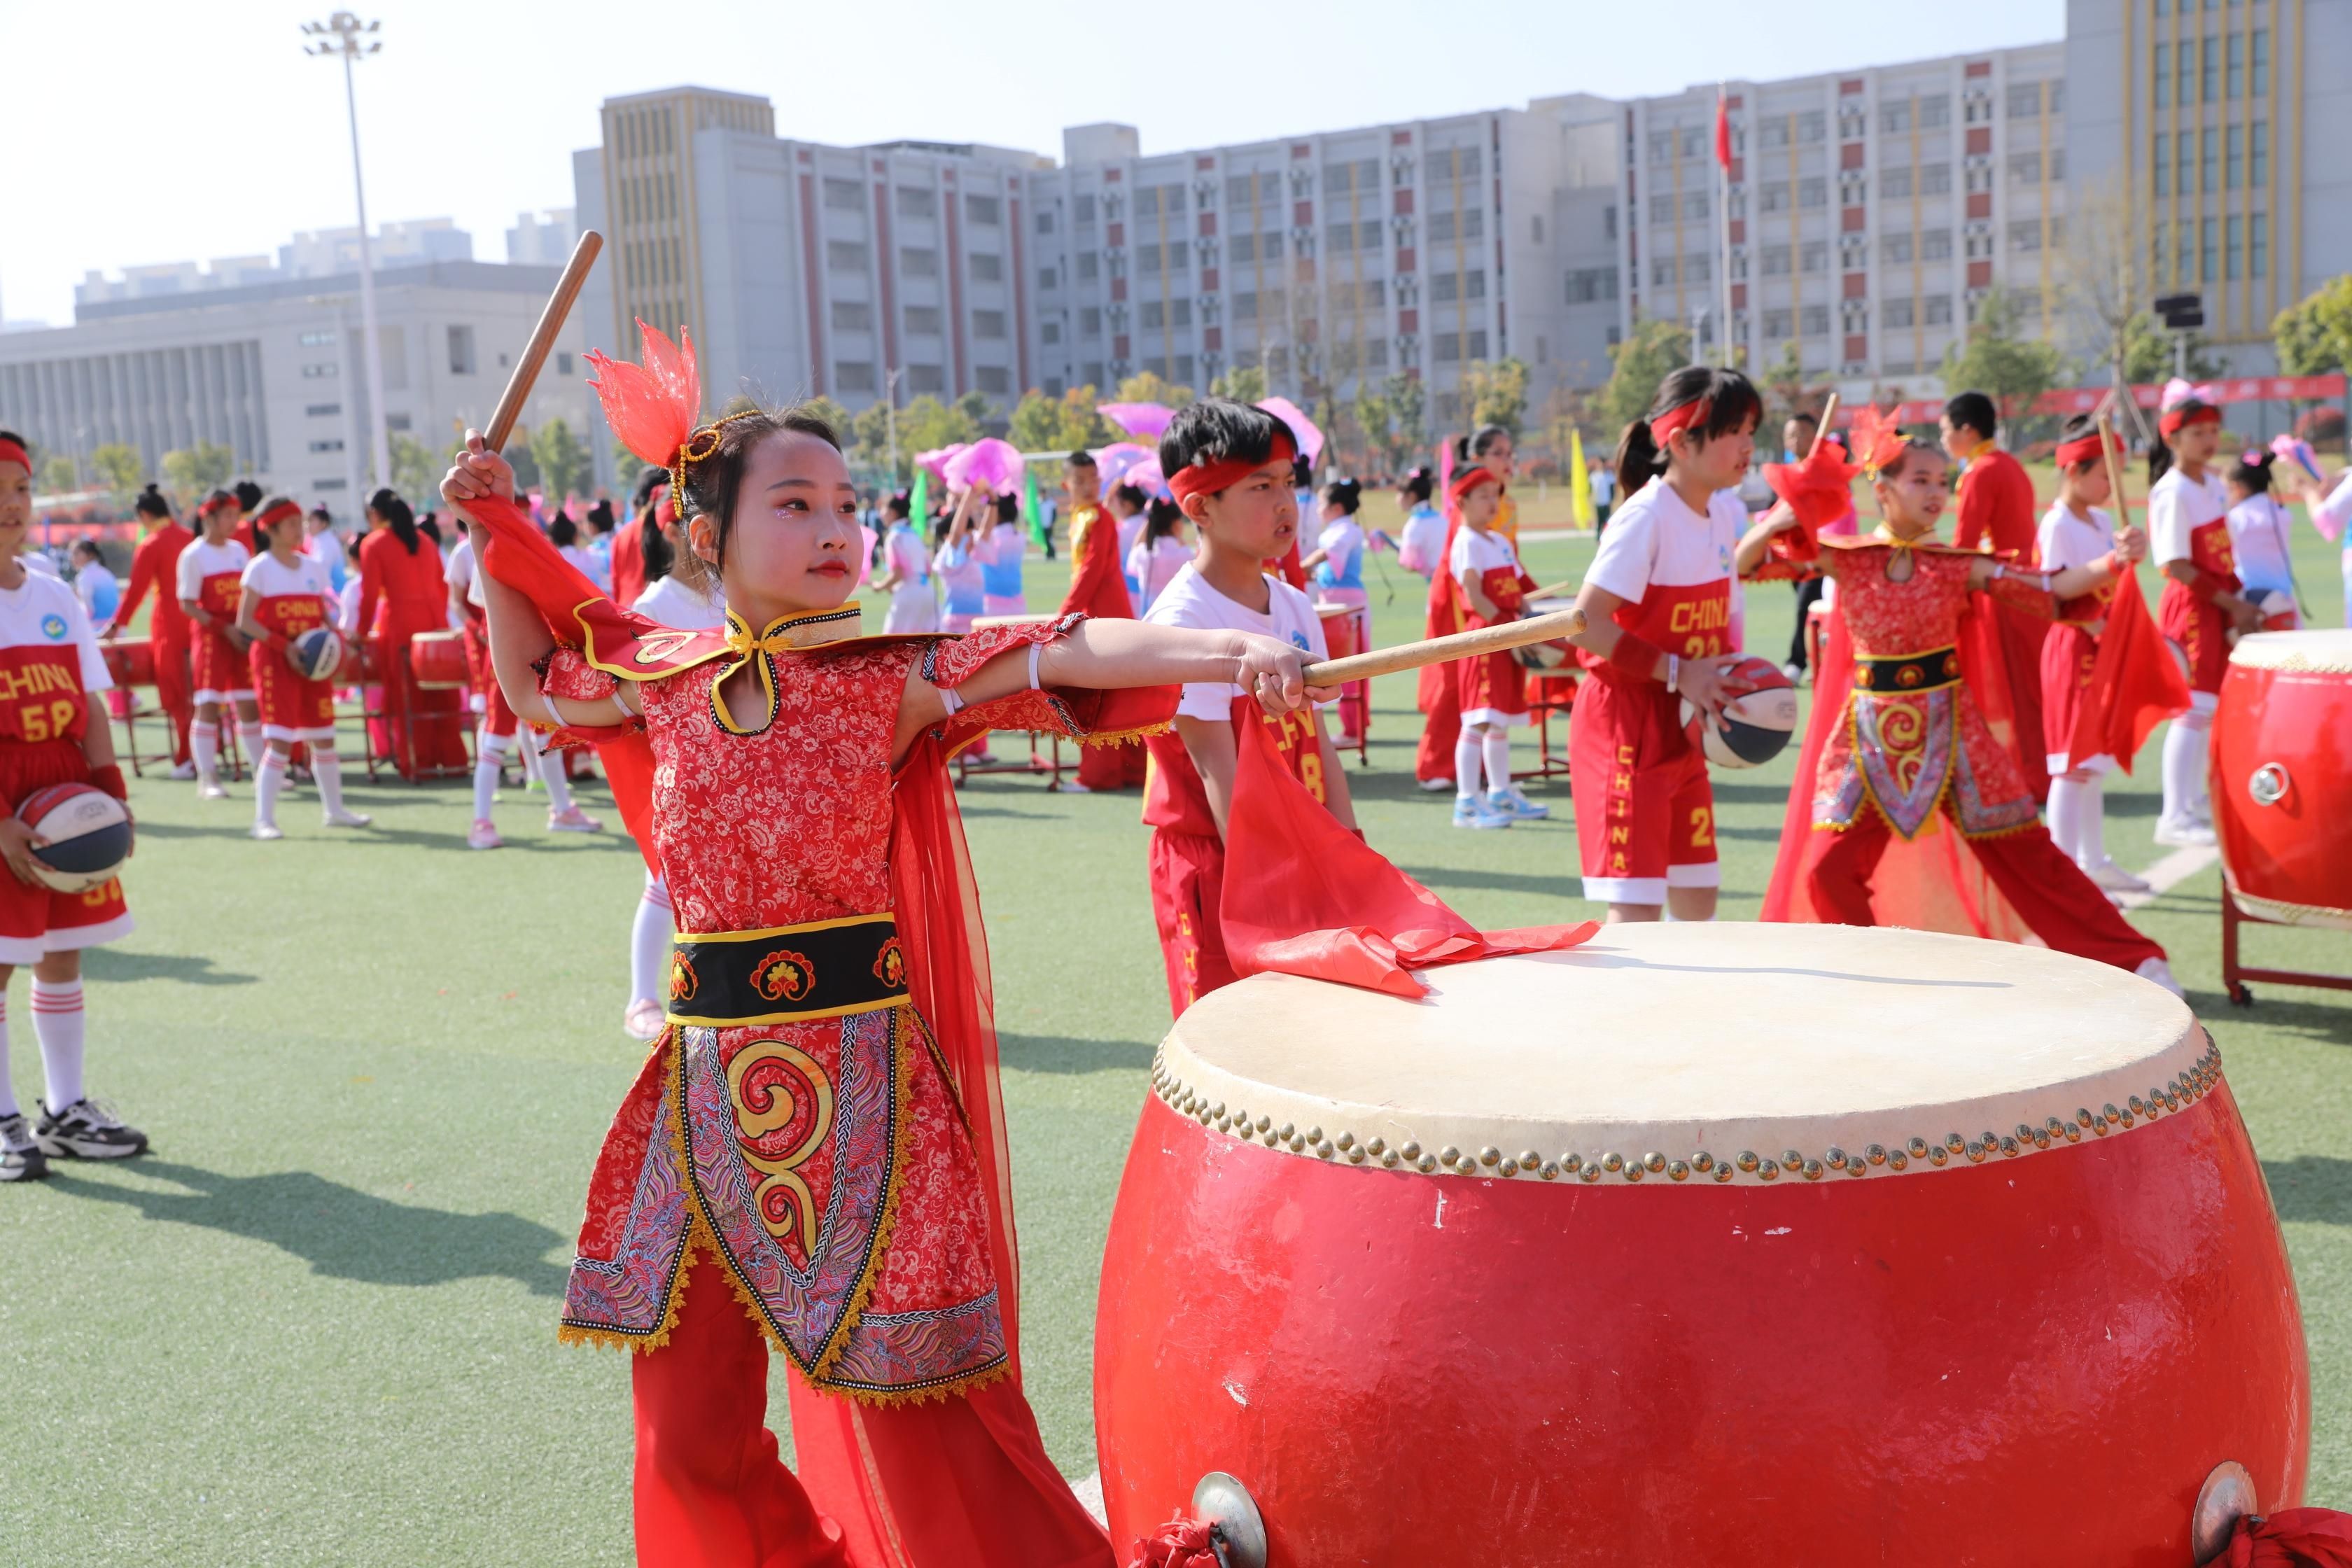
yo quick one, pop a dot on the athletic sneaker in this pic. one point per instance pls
(185, 771)
(1475, 811)
(2105, 873)
(267, 830)
(87, 1130)
(1514, 803)
(1073, 787)
(483, 835)
(348, 818)
(21, 1159)
(2183, 833)
(979, 758)
(210, 789)
(2155, 969)
(644, 1019)
(573, 821)
(1436, 786)
(1794, 671)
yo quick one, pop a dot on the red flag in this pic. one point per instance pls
(2136, 684)
(1722, 130)
(1304, 896)
(1819, 491)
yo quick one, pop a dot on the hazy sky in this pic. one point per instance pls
(150, 132)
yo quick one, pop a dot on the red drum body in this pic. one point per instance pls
(437, 660)
(1340, 624)
(2282, 775)
(1547, 656)
(1700, 1243)
(129, 660)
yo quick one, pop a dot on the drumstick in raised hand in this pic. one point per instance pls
(542, 340)
(1821, 430)
(2115, 472)
(1501, 638)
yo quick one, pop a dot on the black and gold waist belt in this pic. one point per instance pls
(1893, 674)
(821, 970)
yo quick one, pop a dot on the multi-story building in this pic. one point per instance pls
(543, 238)
(325, 253)
(273, 371)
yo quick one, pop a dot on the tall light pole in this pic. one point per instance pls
(341, 34)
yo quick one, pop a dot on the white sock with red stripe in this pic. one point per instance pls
(1465, 765)
(1498, 758)
(8, 1106)
(203, 745)
(58, 1023)
(249, 737)
(327, 768)
(269, 784)
(489, 756)
(551, 773)
(650, 937)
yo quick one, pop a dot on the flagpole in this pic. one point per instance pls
(1723, 215)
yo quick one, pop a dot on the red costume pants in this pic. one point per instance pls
(176, 693)
(1441, 728)
(1188, 880)
(2022, 636)
(1112, 767)
(2044, 887)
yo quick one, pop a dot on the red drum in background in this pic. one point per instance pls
(2281, 777)
(438, 660)
(1700, 1243)
(129, 660)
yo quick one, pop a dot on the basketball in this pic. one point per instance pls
(317, 652)
(1755, 726)
(88, 834)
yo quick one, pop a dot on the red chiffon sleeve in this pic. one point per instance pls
(1092, 717)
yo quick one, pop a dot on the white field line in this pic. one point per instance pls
(2169, 873)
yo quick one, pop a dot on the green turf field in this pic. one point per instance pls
(316, 1324)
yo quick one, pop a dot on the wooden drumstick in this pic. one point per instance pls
(1551, 591)
(542, 340)
(2114, 460)
(1437, 650)
(1821, 430)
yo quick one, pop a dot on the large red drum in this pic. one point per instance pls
(437, 660)
(129, 660)
(2282, 775)
(1701, 1244)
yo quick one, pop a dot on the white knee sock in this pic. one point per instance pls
(649, 937)
(8, 1106)
(2067, 817)
(268, 783)
(249, 736)
(327, 769)
(2184, 767)
(2091, 826)
(551, 773)
(1465, 764)
(57, 1022)
(204, 746)
(489, 755)
(1498, 747)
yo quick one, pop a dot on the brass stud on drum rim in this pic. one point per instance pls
(1490, 1156)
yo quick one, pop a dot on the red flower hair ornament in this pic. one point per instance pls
(1878, 441)
(653, 407)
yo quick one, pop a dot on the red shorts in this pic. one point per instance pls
(1645, 810)
(2197, 632)
(36, 921)
(1493, 688)
(219, 668)
(292, 708)
(498, 718)
(1188, 877)
(2069, 655)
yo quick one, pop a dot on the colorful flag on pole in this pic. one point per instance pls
(1031, 510)
(1722, 130)
(1579, 482)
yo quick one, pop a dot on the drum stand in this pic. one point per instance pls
(2235, 974)
(1550, 691)
(130, 716)
(1049, 763)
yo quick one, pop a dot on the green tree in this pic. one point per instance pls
(415, 473)
(1495, 392)
(562, 459)
(119, 467)
(1082, 421)
(1390, 413)
(2148, 352)
(2314, 336)
(195, 471)
(869, 433)
(976, 408)
(627, 466)
(927, 424)
(832, 413)
(1243, 383)
(57, 476)
(1993, 360)
(1149, 386)
(1655, 350)
(1037, 424)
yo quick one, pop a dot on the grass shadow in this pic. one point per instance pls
(341, 1232)
(112, 963)
(2317, 1188)
(1068, 1054)
(2324, 1023)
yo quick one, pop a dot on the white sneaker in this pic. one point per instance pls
(210, 789)
(1073, 787)
(185, 771)
(1514, 803)
(267, 830)
(348, 818)
(2155, 969)
(483, 835)
(1795, 672)
(1473, 810)
(1437, 786)
(2105, 873)
(573, 821)
(2182, 834)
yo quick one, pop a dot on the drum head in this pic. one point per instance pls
(1688, 1051)
(2326, 651)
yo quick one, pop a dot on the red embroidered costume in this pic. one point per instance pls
(1099, 588)
(1995, 513)
(154, 568)
(1908, 795)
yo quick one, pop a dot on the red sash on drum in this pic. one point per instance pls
(2135, 686)
(2291, 1538)
(1304, 896)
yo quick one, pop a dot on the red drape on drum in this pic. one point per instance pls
(402, 594)
(2291, 1538)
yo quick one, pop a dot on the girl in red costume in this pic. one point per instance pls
(284, 594)
(154, 568)
(1489, 585)
(1439, 694)
(1657, 610)
(1903, 751)
(404, 593)
(2202, 604)
(813, 1158)
(1097, 588)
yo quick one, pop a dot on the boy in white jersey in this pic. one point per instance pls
(2189, 533)
(211, 584)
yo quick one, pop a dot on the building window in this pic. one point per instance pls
(2162, 95)
(2209, 236)
(1896, 312)
(323, 410)
(2025, 168)
(2257, 244)
(1895, 118)
(844, 255)
(1590, 284)
(921, 378)
(1812, 126)
(1772, 261)
(1050, 332)
(1772, 132)
(1056, 386)
(1695, 270)
(1812, 192)
(1976, 109)
(1085, 208)
(318, 371)
(1474, 224)
(1897, 247)
(988, 324)
(1935, 180)
(1094, 373)
(1978, 245)
(461, 351)
(854, 375)
(2232, 252)
(1939, 309)
(2024, 99)
(916, 262)
(1814, 256)
(2233, 165)
(2258, 154)
(1777, 323)
(989, 210)
(987, 268)
(1089, 266)
(2209, 53)
(1814, 321)
(2184, 162)
(317, 340)
(2163, 163)
(563, 364)
(991, 378)
(1936, 245)
(326, 484)
(844, 196)
(2209, 160)
(1935, 111)
(1090, 320)
(913, 201)
(327, 446)
(852, 316)
(1895, 183)
(2025, 236)
(1153, 201)
(923, 319)
(2237, 66)
(1772, 198)
(1045, 220)
(2260, 82)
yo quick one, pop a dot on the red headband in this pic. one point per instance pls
(214, 503)
(1469, 480)
(2082, 450)
(2172, 423)
(275, 515)
(1680, 418)
(12, 453)
(1198, 478)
